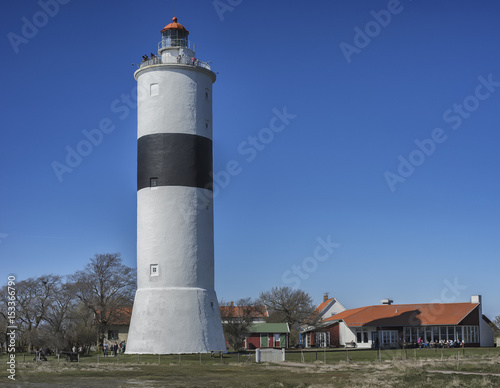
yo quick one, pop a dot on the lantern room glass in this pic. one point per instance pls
(174, 38)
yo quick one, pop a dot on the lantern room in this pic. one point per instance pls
(174, 35)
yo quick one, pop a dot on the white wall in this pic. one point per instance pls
(176, 310)
(486, 333)
(334, 308)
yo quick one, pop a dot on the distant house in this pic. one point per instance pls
(393, 325)
(260, 333)
(118, 326)
(328, 308)
(253, 313)
(267, 335)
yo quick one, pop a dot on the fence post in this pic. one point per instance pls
(159, 359)
(324, 356)
(257, 355)
(302, 356)
(138, 358)
(282, 350)
(78, 357)
(347, 354)
(179, 358)
(221, 356)
(58, 358)
(238, 358)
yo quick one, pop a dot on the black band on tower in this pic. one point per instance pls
(174, 159)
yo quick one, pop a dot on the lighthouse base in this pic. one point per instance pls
(175, 320)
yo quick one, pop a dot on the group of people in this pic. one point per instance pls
(113, 349)
(440, 344)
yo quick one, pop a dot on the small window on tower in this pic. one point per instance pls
(154, 271)
(207, 94)
(206, 124)
(155, 90)
(153, 182)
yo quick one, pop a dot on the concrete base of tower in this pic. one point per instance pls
(175, 320)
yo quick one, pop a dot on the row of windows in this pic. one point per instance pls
(426, 334)
(441, 333)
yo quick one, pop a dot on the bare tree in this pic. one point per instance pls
(3, 319)
(496, 324)
(286, 304)
(105, 286)
(237, 319)
(35, 298)
(289, 305)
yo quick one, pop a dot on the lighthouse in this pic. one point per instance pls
(175, 307)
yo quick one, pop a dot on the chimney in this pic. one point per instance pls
(477, 299)
(387, 301)
(232, 304)
(325, 297)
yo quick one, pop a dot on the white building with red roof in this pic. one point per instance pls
(397, 325)
(328, 308)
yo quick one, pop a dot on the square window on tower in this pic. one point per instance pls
(153, 182)
(207, 94)
(154, 270)
(154, 90)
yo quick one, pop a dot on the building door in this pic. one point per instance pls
(263, 341)
(282, 340)
(375, 340)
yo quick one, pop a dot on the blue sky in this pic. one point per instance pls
(380, 179)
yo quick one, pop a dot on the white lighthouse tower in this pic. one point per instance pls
(175, 308)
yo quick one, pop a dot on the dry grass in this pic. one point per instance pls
(361, 374)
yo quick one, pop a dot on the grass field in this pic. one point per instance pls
(365, 368)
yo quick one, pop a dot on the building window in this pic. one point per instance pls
(388, 337)
(207, 94)
(153, 182)
(112, 335)
(435, 333)
(154, 270)
(322, 339)
(154, 90)
(471, 334)
(362, 336)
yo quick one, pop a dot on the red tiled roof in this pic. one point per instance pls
(120, 316)
(406, 314)
(239, 311)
